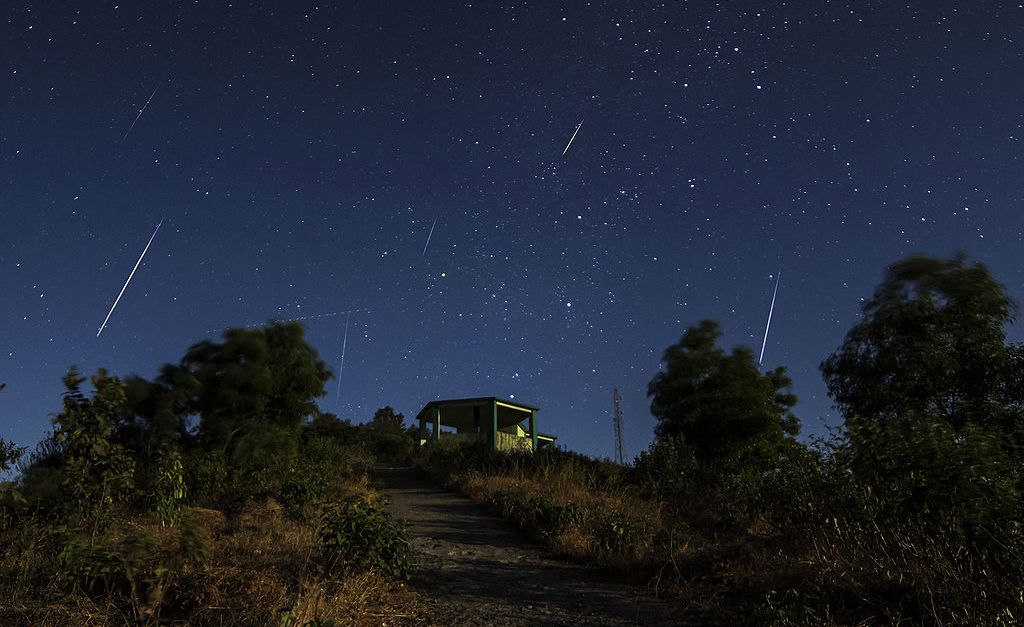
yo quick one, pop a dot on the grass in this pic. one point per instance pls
(254, 563)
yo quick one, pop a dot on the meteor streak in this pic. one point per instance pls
(140, 113)
(770, 310)
(331, 314)
(129, 280)
(428, 236)
(341, 368)
(572, 138)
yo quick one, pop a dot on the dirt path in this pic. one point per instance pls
(476, 569)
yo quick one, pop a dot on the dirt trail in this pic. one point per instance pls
(476, 569)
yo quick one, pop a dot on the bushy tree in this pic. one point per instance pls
(388, 437)
(721, 404)
(385, 420)
(931, 344)
(932, 397)
(256, 379)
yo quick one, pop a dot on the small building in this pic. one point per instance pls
(499, 422)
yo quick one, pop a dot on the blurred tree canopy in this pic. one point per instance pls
(721, 404)
(932, 397)
(256, 381)
(931, 344)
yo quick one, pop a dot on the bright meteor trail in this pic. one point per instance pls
(770, 310)
(125, 286)
(572, 138)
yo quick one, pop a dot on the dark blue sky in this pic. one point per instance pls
(301, 153)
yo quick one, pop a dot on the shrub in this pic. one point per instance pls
(169, 488)
(302, 489)
(359, 535)
(665, 468)
(206, 475)
(539, 514)
(134, 562)
(324, 468)
(552, 518)
(105, 563)
(617, 535)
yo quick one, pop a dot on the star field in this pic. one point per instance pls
(300, 154)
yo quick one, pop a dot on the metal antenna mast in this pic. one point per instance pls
(617, 401)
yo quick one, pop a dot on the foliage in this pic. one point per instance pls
(206, 475)
(618, 535)
(386, 436)
(170, 488)
(108, 530)
(255, 380)
(665, 468)
(9, 454)
(325, 465)
(97, 473)
(154, 414)
(931, 394)
(10, 497)
(327, 425)
(385, 420)
(931, 345)
(538, 514)
(360, 535)
(133, 561)
(721, 404)
(963, 482)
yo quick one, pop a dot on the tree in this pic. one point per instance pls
(256, 381)
(388, 438)
(930, 391)
(327, 425)
(252, 393)
(385, 420)
(154, 420)
(931, 344)
(721, 404)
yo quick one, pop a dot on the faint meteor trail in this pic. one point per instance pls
(770, 310)
(572, 138)
(140, 112)
(341, 367)
(129, 280)
(295, 319)
(428, 236)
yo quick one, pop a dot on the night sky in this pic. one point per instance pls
(300, 157)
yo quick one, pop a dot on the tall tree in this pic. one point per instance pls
(720, 403)
(932, 396)
(931, 344)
